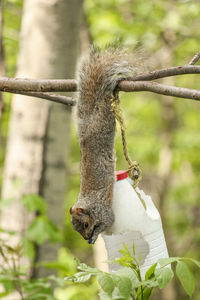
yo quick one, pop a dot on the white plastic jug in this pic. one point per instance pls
(136, 220)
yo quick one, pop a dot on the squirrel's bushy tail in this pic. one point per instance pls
(100, 72)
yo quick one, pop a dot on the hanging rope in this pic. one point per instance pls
(134, 170)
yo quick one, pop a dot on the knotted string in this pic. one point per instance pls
(134, 170)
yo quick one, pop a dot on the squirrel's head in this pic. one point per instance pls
(82, 223)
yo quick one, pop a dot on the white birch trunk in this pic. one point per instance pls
(39, 130)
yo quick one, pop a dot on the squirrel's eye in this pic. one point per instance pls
(86, 225)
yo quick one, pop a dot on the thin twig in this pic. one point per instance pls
(195, 59)
(52, 97)
(162, 73)
(131, 86)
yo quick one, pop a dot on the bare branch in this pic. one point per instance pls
(125, 85)
(38, 88)
(70, 85)
(131, 86)
(195, 59)
(183, 70)
(52, 97)
(35, 85)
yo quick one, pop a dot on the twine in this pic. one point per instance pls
(134, 171)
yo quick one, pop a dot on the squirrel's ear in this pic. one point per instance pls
(71, 210)
(79, 211)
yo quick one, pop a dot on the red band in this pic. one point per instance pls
(121, 175)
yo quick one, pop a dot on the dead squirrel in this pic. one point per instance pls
(98, 77)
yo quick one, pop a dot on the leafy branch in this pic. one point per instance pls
(127, 283)
(13, 276)
(41, 88)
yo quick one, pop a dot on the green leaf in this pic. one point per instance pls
(128, 272)
(123, 252)
(86, 268)
(127, 249)
(150, 272)
(166, 261)
(147, 293)
(186, 277)
(144, 294)
(34, 203)
(70, 278)
(82, 277)
(196, 262)
(104, 296)
(106, 282)
(42, 229)
(125, 286)
(29, 248)
(124, 261)
(163, 276)
(78, 277)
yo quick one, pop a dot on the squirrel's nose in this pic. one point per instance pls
(92, 240)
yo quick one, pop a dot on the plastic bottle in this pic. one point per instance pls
(136, 220)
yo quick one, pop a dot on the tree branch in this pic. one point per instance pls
(195, 59)
(38, 88)
(162, 73)
(37, 85)
(52, 97)
(70, 85)
(158, 88)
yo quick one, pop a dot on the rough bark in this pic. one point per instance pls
(39, 130)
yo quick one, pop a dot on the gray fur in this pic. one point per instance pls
(98, 78)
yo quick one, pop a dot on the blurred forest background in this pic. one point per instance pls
(42, 156)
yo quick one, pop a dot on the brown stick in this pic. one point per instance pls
(126, 86)
(36, 88)
(35, 85)
(162, 73)
(131, 86)
(70, 85)
(52, 97)
(195, 59)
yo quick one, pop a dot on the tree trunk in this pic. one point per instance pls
(39, 131)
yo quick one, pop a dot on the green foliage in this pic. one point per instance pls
(13, 276)
(34, 203)
(186, 277)
(163, 276)
(126, 283)
(41, 229)
(12, 12)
